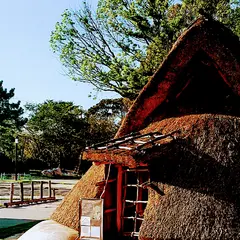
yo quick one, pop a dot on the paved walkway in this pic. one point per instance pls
(17, 215)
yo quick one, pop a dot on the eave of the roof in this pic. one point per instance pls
(187, 129)
(129, 151)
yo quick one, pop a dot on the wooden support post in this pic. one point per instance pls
(41, 189)
(139, 207)
(11, 192)
(49, 189)
(32, 190)
(54, 192)
(119, 199)
(21, 191)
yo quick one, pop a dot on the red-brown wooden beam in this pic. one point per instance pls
(119, 199)
(29, 201)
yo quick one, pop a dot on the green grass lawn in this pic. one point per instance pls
(20, 228)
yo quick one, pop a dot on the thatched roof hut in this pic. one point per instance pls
(176, 154)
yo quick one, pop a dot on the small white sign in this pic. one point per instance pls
(85, 221)
(95, 232)
(91, 219)
(85, 231)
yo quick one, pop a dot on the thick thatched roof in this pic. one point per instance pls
(200, 177)
(67, 212)
(206, 53)
(201, 75)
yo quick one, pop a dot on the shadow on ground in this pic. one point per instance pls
(10, 227)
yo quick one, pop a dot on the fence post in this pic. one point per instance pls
(21, 192)
(54, 192)
(11, 192)
(41, 189)
(32, 190)
(49, 189)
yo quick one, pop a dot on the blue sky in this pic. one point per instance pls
(26, 61)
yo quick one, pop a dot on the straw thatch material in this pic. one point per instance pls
(205, 38)
(200, 177)
(67, 212)
(185, 214)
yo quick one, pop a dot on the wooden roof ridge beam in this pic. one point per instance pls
(124, 139)
(113, 140)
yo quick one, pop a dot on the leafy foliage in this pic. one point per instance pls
(105, 118)
(57, 132)
(11, 120)
(115, 109)
(122, 44)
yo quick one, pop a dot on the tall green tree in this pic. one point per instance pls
(11, 120)
(115, 109)
(104, 119)
(57, 132)
(123, 43)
